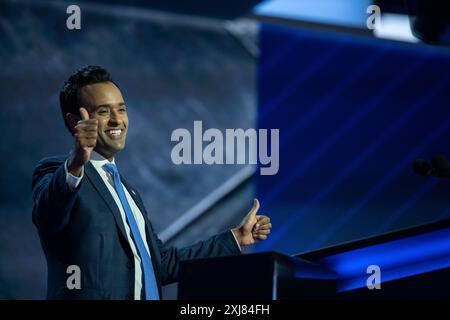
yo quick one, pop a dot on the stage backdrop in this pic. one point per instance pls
(353, 114)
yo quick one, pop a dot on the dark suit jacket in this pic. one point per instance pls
(83, 227)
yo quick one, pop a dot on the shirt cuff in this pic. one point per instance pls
(72, 181)
(235, 239)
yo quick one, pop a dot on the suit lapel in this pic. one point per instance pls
(102, 189)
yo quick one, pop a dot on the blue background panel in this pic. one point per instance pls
(353, 114)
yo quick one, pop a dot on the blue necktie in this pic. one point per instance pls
(151, 288)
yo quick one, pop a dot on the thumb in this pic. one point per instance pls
(254, 209)
(84, 114)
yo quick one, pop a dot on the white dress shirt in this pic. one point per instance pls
(98, 161)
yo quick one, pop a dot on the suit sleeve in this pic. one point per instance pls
(223, 244)
(52, 197)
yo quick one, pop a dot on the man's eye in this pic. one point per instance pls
(123, 110)
(103, 111)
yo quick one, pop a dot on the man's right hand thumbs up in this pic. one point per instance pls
(85, 134)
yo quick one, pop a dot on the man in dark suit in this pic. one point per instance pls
(90, 217)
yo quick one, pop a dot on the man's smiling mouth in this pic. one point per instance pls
(115, 133)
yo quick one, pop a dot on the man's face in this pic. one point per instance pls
(104, 102)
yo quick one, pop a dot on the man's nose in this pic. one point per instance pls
(114, 118)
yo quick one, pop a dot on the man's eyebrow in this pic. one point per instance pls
(109, 105)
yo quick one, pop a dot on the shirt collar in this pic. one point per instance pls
(98, 161)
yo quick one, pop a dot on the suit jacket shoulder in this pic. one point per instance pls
(45, 166)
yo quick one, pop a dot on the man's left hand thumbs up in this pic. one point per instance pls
(253, 227)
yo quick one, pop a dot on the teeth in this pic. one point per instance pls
(115, 132)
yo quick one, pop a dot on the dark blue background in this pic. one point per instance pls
(353, 114)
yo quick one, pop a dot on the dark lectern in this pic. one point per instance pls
(268, 276)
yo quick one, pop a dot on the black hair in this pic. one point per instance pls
(68, 96)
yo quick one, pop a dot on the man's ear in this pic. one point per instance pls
(72, 120)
